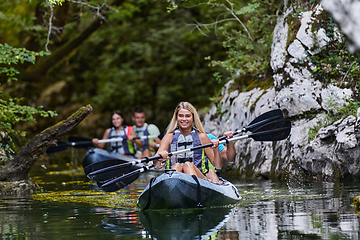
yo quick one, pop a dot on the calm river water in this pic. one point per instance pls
(71, 206)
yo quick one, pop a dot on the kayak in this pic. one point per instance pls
(174, 190)
(97, 154)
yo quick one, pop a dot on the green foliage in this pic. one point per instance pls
(10, 55)
(334, 63)
(11, 112)
(218, 110)
(338, 113)
(144, 57)
(334, 114)
(55, 2)
(248, 45)
(313, 132)
(17, 22)
(245, 29)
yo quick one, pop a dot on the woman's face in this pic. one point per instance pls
(185, 119)
(116, 120)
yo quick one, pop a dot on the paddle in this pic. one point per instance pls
(259, 121)
(273, 131)
(81, 142)
(122, 181)
(263, 119)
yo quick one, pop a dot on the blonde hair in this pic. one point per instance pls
(188, 106)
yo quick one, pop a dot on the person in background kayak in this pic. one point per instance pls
(185, 131)
(120, 129)
(227, 152)
(143, 129)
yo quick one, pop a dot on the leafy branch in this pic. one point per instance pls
(248, 42)
(11, 112)
(100, 10)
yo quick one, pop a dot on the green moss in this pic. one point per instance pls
(92, 197)
(249, 172)
(247, 82)
(235, 172)
(261, 83)
(294, 24)
(334, 114)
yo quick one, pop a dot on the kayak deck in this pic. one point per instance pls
(97, 155)
(173, 190)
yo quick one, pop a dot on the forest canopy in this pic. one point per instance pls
(126, 54)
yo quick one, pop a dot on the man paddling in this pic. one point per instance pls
(227, 152)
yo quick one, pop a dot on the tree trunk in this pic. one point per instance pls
(19, 167)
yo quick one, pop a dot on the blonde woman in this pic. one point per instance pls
(185, 131)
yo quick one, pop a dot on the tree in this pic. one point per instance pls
(14, 174)
(11, 112)
(135, 54)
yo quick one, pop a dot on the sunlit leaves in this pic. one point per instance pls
(11, 112)
(56, 2)
(250, 8)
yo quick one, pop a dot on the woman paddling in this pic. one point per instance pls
(120, 129)
(185, 131)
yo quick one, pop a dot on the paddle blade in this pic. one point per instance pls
(107, 169)
(273, 131)
(112, 173)
(98, 171)
(100, 165)
(80, 142)
(78, 139)
(119, 182)
(265, 118)
(60, 146)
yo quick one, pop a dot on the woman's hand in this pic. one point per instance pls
(161, 163)
(229, 134)
(215, 143)
(95, 141)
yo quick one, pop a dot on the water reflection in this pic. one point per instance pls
(121, 223)
(194, 224)
(71, 207)
(316, 211)
(174, 224)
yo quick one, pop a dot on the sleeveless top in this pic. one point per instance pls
(180, 142)
(121, 147)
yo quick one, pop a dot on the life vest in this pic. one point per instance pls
(143, 131)
(210, 166)
(180, 142)
(122, 147)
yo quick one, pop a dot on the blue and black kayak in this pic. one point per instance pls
(175, 190)
(95, 155)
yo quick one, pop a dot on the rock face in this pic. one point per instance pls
(346, 14)
(333, 154)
